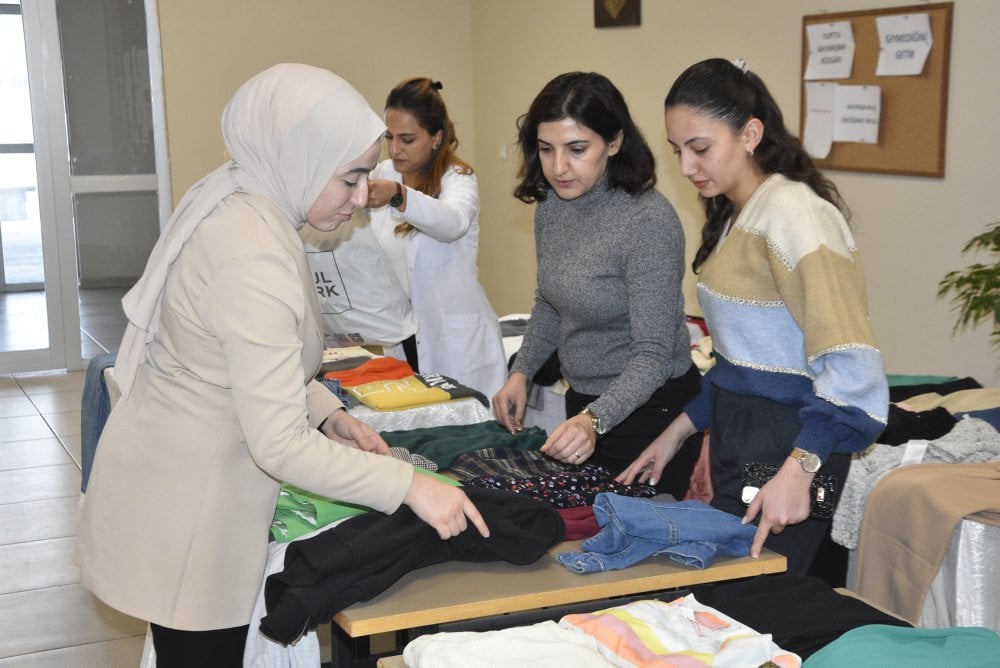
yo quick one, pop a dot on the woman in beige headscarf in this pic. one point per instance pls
(216, 371)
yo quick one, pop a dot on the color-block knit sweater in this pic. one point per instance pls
(784, 297)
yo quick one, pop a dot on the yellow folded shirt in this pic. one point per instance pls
(394, 395)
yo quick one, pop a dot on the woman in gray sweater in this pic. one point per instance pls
(610, 253)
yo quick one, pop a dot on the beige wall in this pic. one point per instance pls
(910, 229)
(494, 56)
(210, 48)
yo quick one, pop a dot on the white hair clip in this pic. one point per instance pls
(742, 64)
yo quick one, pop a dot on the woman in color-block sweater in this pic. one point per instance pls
(798, 381)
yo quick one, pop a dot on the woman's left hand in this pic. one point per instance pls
(782, 501)
(572, 442)
(347, 429)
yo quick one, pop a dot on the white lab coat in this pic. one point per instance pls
(458, 334)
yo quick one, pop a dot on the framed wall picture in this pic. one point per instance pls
(615, 13)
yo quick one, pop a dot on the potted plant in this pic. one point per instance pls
(975, 290)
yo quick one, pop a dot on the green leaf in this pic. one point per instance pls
(975, 290)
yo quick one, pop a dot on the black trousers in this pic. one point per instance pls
(746, 428)
(218, 648)
(621, 445)
(363, 556)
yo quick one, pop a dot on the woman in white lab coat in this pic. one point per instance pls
(424, 210)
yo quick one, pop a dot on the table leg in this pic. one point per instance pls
(348, 652)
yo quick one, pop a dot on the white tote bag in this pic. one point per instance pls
(360, 298)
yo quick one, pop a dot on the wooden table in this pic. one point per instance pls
(458, 591)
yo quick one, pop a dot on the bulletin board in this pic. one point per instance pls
(911, 138)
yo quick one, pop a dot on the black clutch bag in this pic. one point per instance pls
(822, 492)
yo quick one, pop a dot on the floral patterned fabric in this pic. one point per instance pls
(568, 489)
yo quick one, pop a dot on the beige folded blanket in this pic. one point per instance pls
(961, 401)
(908, 523)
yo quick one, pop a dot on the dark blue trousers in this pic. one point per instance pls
(747, 428)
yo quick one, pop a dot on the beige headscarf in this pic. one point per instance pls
(288, 130)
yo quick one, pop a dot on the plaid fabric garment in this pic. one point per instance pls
(507, 462)
(416, 460)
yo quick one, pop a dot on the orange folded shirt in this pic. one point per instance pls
(379, 368)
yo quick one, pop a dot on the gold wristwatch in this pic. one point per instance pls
(595, 421)
(809, 461)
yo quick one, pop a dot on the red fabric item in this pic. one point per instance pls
(580, 522)
(378, 368)
(701, 476)
(697, 328)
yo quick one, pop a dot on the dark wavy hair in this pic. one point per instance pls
(722, 91)
(421, 98)
(591, 100)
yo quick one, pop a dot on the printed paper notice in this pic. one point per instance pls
(856, 114)
(818, 134)
(904, 44)
(831, 50)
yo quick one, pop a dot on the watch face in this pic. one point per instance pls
(397, 200)
(810, 462)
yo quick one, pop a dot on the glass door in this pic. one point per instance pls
(83, 178)
(24, 313)
(114, 184)
(20, 227)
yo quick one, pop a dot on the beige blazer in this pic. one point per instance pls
(174, 526)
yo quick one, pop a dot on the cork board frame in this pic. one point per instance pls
(914, 109)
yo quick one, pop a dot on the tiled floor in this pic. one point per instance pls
(102, 322)
(23, 325)
(46, 618)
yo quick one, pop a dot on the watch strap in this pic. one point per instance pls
(397, 200)
(595, 421)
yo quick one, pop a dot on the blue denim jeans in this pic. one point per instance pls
(96, 407)
(691, 532)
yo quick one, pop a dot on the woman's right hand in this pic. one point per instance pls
(444, 507)
(380, 191)
(509, 402)
(649, 465)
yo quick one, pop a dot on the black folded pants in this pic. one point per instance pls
(363, 556)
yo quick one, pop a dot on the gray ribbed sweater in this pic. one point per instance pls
(609, 296)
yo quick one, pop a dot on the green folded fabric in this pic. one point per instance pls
(882, 645)
(299, 512)
(897, 379)
(443, 444)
